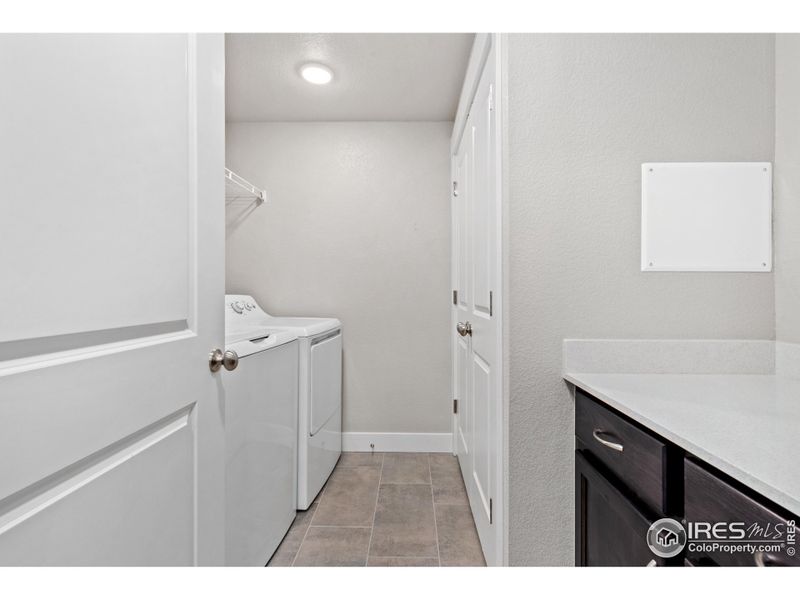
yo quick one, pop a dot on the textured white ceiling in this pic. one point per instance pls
(377, 77)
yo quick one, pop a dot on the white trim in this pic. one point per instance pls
(501, 409)
(453, 311)
(477, 60)
(387, 441)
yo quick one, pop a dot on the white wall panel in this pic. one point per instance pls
(707, 216)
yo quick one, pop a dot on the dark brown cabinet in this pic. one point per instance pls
(710, 498)
(627, 477)
(610, 530)
(634, 456)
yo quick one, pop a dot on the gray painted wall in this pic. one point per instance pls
(584, 111)
(787, 187)
(357, 226)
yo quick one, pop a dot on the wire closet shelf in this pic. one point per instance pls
(238, 188)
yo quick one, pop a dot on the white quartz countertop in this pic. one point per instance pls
(747, 426)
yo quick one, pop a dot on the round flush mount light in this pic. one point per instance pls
(316, 73)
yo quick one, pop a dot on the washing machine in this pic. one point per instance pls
(261, 404)
(320, 393)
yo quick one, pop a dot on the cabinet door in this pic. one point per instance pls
(710, 499)
(610, 531)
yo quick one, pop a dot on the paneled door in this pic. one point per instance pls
(477, 377)
(111, 297)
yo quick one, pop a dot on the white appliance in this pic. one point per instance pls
(320, 393)
(260, 403)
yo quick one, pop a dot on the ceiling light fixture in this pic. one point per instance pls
(316, 73)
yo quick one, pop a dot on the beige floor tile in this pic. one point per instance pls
(349, 498)
(450, 494)
(444, 465)
(401, 467)
(334, 547)
(288, 548)
(402, 561)
(404, 523)
(337, 527)
(283, 557)
(458, 539)
(448, 486)
(360, 459)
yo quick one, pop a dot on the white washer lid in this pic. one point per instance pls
(304, 326)
(243, 312)
(250, 341)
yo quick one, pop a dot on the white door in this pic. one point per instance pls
(111, 292)
(476, 330)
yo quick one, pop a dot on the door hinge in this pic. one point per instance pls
(455, 296)
(491, 304)
(455, 406)
(455, 188)
(491, 516)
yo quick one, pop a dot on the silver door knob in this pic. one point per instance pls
(218, 359)
(464, 328)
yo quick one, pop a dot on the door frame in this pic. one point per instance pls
(488, 46)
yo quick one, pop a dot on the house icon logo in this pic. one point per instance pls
(666, 538)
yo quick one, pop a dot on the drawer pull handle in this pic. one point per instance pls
(613, 445)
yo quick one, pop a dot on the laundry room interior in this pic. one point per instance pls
(355, 225)
(460, 300)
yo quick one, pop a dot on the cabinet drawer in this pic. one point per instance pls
(710, 499)
(634, 456)
(610, 530)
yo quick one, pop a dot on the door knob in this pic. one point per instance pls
(464, 328)
(218, 359)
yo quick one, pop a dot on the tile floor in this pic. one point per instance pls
(386, 510)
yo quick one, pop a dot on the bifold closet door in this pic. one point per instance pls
(111, 184)
(476, 348)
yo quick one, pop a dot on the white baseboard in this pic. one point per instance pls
(359, 441)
